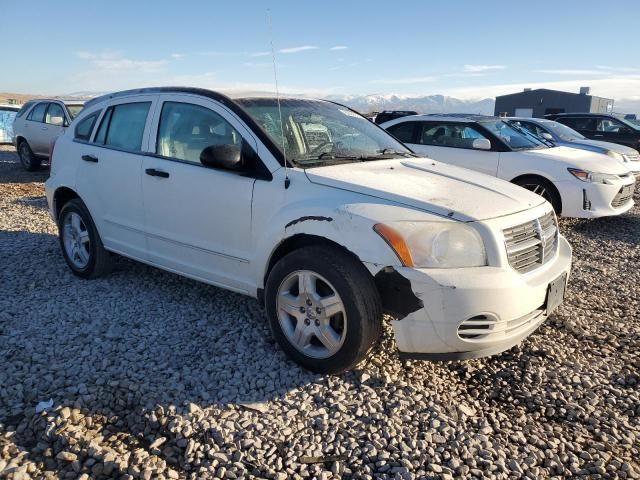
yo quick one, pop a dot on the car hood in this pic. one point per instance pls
(431, 186)
(578, 158)
(599, 146)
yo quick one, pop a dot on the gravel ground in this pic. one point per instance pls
(155, 376)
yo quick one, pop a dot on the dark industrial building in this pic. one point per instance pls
(541, 101)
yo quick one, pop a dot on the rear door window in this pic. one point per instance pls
(37, 114)
(123, 126)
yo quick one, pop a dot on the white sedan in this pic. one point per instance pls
(578, 183)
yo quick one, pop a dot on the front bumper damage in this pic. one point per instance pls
(431, 305)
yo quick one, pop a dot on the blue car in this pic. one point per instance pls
(562, 135)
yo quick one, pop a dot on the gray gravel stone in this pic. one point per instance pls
(156, 376)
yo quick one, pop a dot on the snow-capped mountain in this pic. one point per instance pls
(425, 104)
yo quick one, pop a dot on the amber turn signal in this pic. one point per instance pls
(396, 242)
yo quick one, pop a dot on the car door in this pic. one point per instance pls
(198, 219)
(454, 143)
(53, 127)
(34, 128)
(109, 172)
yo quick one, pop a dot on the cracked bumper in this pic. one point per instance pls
(515, 303)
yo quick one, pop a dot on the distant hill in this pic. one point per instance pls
(425, 104)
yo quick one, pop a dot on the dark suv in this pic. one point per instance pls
(597, 126)
(389, 115)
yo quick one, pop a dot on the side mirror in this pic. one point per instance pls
(57, 121)
(225, 157)
(547, 136)
(481, 144)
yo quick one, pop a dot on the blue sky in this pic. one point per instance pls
(469, 49)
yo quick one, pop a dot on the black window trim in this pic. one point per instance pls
(262, 173)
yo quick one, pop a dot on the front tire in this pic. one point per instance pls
(27, 159)
(323, 307)
(544, 188)
(80, 243)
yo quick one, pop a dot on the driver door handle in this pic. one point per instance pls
(156, 173)
(90, 158)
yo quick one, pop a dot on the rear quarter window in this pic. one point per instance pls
(405, 131)
(85, 127)
(24, 109)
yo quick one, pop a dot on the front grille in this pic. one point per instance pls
(632, 157)
(623, 196)
(532, 244)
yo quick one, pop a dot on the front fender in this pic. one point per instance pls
(338, 225)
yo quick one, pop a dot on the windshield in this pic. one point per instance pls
(74, 110)
(564, 132)
(516, 139)
(630, 124)
(320, 133)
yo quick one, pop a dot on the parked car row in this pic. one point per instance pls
(325, 217)
(577, 182)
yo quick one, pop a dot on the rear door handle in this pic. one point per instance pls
(90, 158)
(156, 173)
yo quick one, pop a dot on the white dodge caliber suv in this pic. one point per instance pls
(578, 183)
(193, 182)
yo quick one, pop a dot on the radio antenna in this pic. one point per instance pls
(287, 182)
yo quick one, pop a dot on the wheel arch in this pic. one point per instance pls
(295, 242)
(548, 181)
(61, 196)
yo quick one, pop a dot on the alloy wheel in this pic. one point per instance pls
(77, 243)
(311, 314)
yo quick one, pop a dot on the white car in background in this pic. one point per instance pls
(563, 136)
(578, 183)
(38, 124)
(194, 182)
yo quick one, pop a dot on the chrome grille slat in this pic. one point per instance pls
(531, 244)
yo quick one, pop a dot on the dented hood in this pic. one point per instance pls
(431, 186)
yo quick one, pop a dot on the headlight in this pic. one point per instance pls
(617, 156)
(593, 177)
(434, 244)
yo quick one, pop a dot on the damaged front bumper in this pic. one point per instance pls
(461, 313)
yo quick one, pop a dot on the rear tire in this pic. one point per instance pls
(27, 159)
(80, 242)
(544, 188)
(323, 307)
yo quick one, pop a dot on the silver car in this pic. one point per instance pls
(38, 124)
